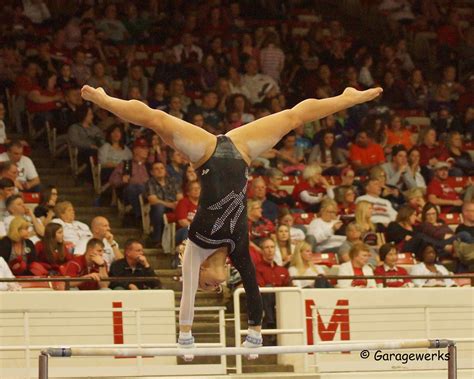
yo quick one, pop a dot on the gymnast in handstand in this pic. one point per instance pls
(219, 229)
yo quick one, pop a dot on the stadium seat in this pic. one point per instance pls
(325, 259)
(451, 218)
(406, 259)
(303, 218)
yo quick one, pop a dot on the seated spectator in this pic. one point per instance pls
(413, 169)
(365, 154)
(133, 264)
(43, 99)
(415, 199)
(113, 151)
(397, 134)
(16, 208)
(258, 85)
(89, 265)
(389, 192)
(65, 79)
(324, 228)
(364, 220)
(7, 189)
(345, 197)
(357, 266)
(75, 232)
(6, 273)
(135, 78)
(10, 171)
(68, 113)
(467, 219)
(259, 192)
(397, 173)
(186, 209)
(44, 211)
(240, 104)
(175, 167)
(331, 158)
(284, 247)
(100, 228)
(99, 78)
(213, 118)
(430, 151)
(428, 266)
(416, 92)
(435, 228)
(276, 194)
(269, 274)
(16, 248)
(84, 135)
(297, 234)
(461, 161)
(130, 177)
(158, 99)
(27, 174)
(440, 192)
(302, 265)
(354, 236)
(348, 178)
(259, 227)
(290, 157)
(389, 256)
(158, 151)
(113, 29)
(382, 210)
(312, 188)
(51, 251)
(162, 193)
(187, 50)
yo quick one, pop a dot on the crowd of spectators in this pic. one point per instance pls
(362, 185)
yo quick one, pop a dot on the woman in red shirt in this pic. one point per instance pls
(389, 255)
(397, 134)
(52, 252)
(45, 96)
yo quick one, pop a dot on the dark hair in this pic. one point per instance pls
(5, 166)
(50, 245)
(109, 132)
(421, 252)
(5, 183)
(404, 213)
(43, 79)
(323, 150)
(45, 194)
(426, 208)
(11, 199)
(93, 242)
(81, 112)
(15, 143)
(385, 249)
(130, 242)
(188, 185)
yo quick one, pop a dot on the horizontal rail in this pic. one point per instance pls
(118, 309)
(155, 278)
(341, 347)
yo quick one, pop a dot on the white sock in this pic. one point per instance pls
(185, 335)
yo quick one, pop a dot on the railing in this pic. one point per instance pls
(138, 315)
(239, 332)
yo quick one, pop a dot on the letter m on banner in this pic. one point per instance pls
(339, 320)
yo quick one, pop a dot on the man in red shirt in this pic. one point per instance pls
(365, 154)
(439, 191)
(90, 265)
(269, 274)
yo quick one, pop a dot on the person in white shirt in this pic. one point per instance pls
(6, 273)
(324, 227)
(27, 174)
(75, 232)
(357, 266)
(259, 85)
(302, 265)
(100, 228)
(429, 267)
(382, 210)
(186, 49)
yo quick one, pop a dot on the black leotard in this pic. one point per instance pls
(221, 217)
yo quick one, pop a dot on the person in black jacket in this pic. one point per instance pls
(134, 264)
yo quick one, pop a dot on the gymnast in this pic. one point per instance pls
(219, 228)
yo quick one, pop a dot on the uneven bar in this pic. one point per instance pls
(217, 351)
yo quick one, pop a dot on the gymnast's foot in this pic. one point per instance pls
(253, 340)
(186, 341)
(360, 97)
(94, 95)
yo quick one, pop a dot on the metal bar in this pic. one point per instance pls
(43, 366)
(238, 358)
(77, 310)
(222, 335)
(212, 351)
(452, 362)
(275, 331)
